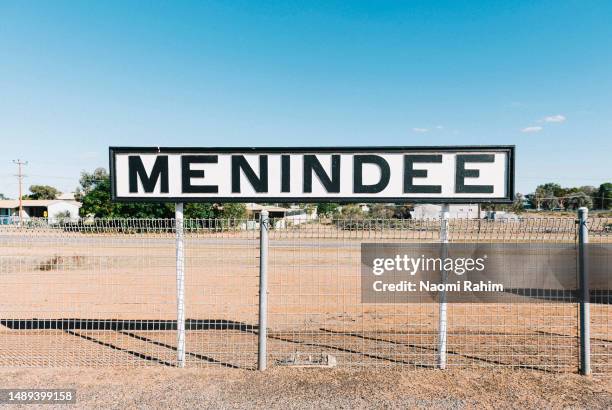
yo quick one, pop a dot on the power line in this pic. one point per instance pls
(20, 177)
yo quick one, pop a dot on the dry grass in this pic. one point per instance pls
(285, 388)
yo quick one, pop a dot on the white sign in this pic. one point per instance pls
(347, 174)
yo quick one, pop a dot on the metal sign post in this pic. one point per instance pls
(264, 224)
(442, 319)
(180, 285)
(585, 294)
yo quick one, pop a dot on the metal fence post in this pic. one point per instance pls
(264, 224)
(585, 297)
(180, 285)
(442, 322)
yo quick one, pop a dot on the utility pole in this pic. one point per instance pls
(20, 175)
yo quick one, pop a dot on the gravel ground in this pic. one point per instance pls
(289, 388)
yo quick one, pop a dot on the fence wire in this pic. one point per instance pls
(103, 293)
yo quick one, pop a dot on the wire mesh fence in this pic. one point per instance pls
(103, 292)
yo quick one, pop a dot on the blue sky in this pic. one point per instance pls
(76, 77)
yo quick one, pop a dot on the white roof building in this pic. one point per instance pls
(456, 211)
(281, 216)
(39, 208)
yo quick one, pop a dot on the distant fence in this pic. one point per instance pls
(104, 293)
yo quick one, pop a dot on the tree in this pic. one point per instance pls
(588, 189)
(351, 211)
(538, 198)
(233, 210)
(197, 210)
(42, 192)
(310, 208)
(380, 211)
(603, 196)
(403, 211)
(578, 200)
(62, 217)
(3, 197)
(327, 209)
(518, 206)
(89, 181)
(95, 196)
(94, 193)
(554, 188)
(546, 196)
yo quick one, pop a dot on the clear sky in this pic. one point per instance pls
(78, 76)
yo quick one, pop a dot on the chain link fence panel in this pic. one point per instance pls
(103, 293)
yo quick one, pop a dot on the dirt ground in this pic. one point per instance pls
(59, 279)
(289, 388)
(104, 307)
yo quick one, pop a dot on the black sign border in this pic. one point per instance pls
(508, 198)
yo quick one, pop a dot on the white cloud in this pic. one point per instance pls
(555, 118)
(420, 129)
(532, 129)
(439, 127)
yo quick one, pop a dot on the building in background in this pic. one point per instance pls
(430, 211)
(53, 209)
(282, 217)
